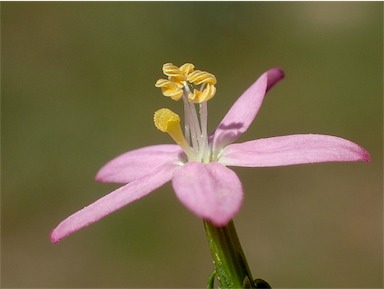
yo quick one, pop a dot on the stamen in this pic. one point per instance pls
(195, 127)
(169, 88)
(175, 74)
(195, 87)
(203, 96)
(187, 122)
(191, 119)
(207, 89)
(172, 70)
(203, 120)
(168, 121)
(187, 68)
(198, 77)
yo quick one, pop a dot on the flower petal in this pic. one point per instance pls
(137, 163)
(113, 201)
(293, 149)
(243, 112)
(211, 191)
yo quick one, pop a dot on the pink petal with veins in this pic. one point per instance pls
(211, 191)
(113, 201)
(244, 110)
(137, 163)
(292, 149)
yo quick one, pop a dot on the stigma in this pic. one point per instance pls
(168, 121)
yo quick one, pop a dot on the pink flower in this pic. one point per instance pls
(198, 165)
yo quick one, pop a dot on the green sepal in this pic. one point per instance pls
(211, 280)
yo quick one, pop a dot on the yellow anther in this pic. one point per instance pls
(199, 77)
(172, 70)
(168, 121)
(201, 96)
(169, 88)
(183, 79)
(187, 68)
(174, 74)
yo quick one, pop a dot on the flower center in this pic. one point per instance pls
(195, 87)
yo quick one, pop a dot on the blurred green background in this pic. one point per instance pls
(78, 89)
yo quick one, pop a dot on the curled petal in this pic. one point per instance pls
(112, 202)
(211, 191)
(140, 162)
(244, 110)
(291, 150)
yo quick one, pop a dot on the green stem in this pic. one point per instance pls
(231, 266)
